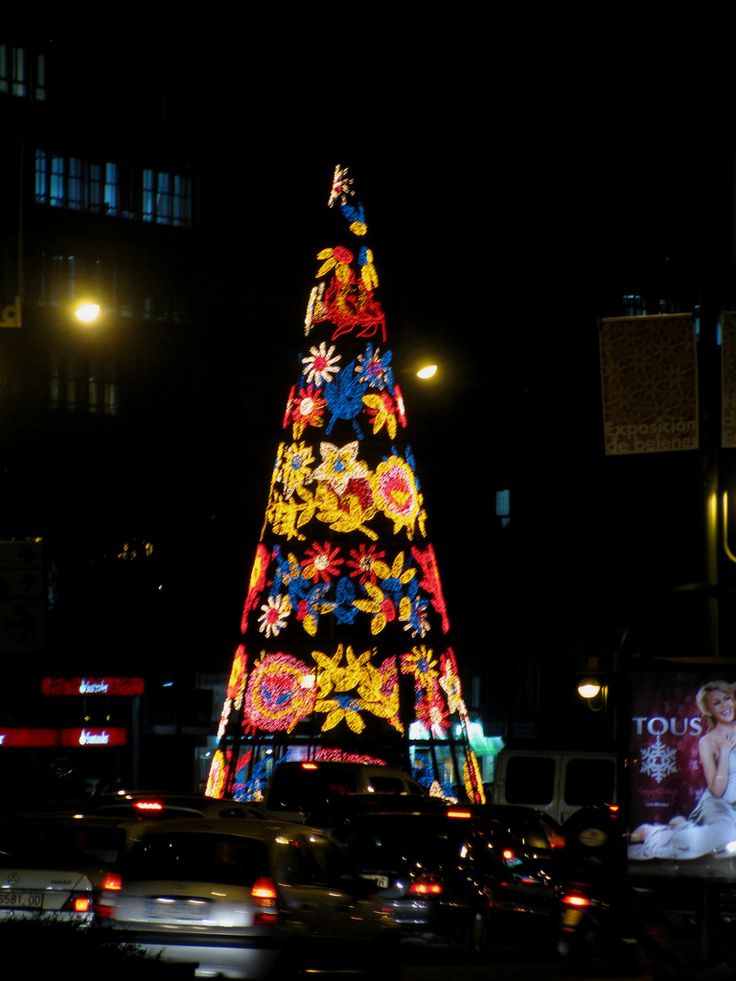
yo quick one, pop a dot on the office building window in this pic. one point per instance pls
(42, 174)
(22, 73)
(67, 390)
(75, 184)
(503, 507)
(113, 189)
(57, 191)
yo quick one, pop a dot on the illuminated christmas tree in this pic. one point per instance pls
(344, 649)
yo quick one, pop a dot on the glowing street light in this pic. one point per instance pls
(589, 688)
(427, 371)
(87, 311)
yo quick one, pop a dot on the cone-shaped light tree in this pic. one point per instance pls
(344, 650)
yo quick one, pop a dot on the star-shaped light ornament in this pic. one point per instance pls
(342, 186)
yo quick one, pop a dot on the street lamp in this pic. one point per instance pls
(589, 688)
(427, 371)
(87, 311)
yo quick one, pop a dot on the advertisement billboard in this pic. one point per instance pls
(682, 771)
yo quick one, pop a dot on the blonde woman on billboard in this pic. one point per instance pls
(711, 826)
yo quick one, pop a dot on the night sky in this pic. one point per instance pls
(516, 185)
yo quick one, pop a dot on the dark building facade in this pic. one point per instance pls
(100, 420)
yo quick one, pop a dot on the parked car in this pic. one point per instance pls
(53, 867)
(251, 898)
(453, 879)
(152, 804)
(144, 805)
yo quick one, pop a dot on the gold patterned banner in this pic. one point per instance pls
(649, 380)
(728, 380)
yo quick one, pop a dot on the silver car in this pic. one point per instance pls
(250, 899)
(50, 869)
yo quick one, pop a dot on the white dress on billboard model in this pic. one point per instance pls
(711, 827)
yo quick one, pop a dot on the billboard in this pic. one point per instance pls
(682, 771)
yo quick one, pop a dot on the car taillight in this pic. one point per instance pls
(457, 812)
(264, 897)
(425, 887)
(575, 899)
(78, 902)
(112, 881)
(148, 806)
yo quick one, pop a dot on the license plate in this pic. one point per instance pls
(21, 900)
(179, 909)
(381, 881)
(571, 917)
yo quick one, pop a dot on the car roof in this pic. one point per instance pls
(247, 827)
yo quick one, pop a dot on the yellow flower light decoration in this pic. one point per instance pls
(216, 776)
(296, 467)
(380, 408)
(334, 675)
(236, 682)
(347, 512)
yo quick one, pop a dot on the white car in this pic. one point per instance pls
(250, 899)
(53, 868)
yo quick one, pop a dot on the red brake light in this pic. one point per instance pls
(112, 881)
(455, 812)
(264, 896)
(79, 902)
(425, 887)
(148, 805)
(264, 891)
(575, 899)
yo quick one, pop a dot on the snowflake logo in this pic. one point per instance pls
(658, 760)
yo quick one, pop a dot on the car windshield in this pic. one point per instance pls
(55, 846)
(228, 859)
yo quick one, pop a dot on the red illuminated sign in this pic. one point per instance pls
(90, 736)
(28, 737)
(92, 686)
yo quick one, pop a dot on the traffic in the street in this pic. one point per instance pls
(383, 886)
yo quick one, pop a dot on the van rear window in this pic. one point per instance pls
(530, 780)
(589, 781)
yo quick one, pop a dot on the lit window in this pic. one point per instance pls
(74, 196)
(503, 507)
(42, 192)
(111, 188)
(19, 72)
(57, 196)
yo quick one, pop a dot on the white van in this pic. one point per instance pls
(556, 781)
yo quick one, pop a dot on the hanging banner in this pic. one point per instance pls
(649, 381)
(682, 771)
(728, 380)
